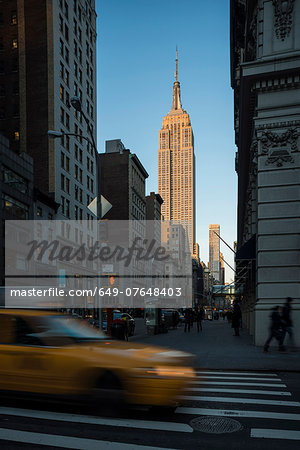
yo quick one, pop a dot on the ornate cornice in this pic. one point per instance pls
(275, 84)
(283, 10)
(278, 146)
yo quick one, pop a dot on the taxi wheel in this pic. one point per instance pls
(109, 392)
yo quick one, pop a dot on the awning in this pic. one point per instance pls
(248, 250)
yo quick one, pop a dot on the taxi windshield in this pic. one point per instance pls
(64, 330)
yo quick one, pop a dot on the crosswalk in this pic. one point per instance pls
(207, 395)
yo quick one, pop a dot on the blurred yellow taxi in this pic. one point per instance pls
(53, 354)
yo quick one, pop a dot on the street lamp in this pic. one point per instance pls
(53, 134)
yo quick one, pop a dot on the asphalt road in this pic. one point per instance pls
(265, 408)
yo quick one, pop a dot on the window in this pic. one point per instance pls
(67, 100)
(66, 10)
(91, 74)
(62, 93)
(80, 75)
(62, 160)
(62, 204)
(61, 70)
(67, 208)
(67, 121)
(75, 27)
(76, 89)
(67, 164)
(67, 185)
(67, 55)
(13, 18)
(14, 43)
(74, 6)
(61, 24)
(79, 14)
(67, 77)
(80, 55)
(62, 116)
(75, 69)
(79, 34)
(67, 32)
(17, 135)
(61, 47)
(14, 207)
(62, 182)
(75, 48)
(15, 180)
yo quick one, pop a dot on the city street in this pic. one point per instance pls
(223, 408)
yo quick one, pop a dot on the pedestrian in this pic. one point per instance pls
(288, 323)
(276, 329)
(236, 318)
(187, 320)
(199, 315)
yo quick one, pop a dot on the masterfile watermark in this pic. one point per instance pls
(90, 264)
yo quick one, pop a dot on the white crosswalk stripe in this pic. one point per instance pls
(257, 397)
(207, 390)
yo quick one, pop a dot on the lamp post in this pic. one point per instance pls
(53, 134)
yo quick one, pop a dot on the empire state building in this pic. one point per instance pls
(176, 166)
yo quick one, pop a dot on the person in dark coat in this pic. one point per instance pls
(236, 318)
(288, 323)
(276, 329)
(187, 320)
(199, 316)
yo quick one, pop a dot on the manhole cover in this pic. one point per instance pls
(216, 425)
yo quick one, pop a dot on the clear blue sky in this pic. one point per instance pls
(135, 74)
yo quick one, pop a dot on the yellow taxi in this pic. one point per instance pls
(54, 354)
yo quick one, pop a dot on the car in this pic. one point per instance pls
(51, 354)
(117, 316)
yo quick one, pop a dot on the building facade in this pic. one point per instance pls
(265, 68)
(176, 166)
(214, 252)
(48, 55)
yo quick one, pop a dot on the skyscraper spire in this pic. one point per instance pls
(176, 88)
(176, 72)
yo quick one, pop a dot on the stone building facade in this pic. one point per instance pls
(265, 77)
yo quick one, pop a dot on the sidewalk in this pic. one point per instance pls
(217, 348)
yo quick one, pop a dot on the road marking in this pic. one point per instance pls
(236, 373)
(55, 440)
(237, 413)
(239, 400)
(233, 383)
(238, 378)
(77, 418)
(239, 391)
(275, 434)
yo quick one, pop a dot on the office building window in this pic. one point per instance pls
(13, 18)
(61, 24)
(62, 93)
(66, 32)
(14, 208)
(67, 55)
(14, 43)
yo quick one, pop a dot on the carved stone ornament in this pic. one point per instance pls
(279, 147)
(283, 10)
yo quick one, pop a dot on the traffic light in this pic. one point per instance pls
(113, 280)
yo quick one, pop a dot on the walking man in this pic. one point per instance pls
(288, 323)
(276, 330)
(199, 315)
(236, 318)
(187, 320)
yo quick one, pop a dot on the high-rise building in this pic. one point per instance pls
(176, 165)
(123, 181)
(214, 251)
(48, 55)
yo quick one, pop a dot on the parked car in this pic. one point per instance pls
(50, 354)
